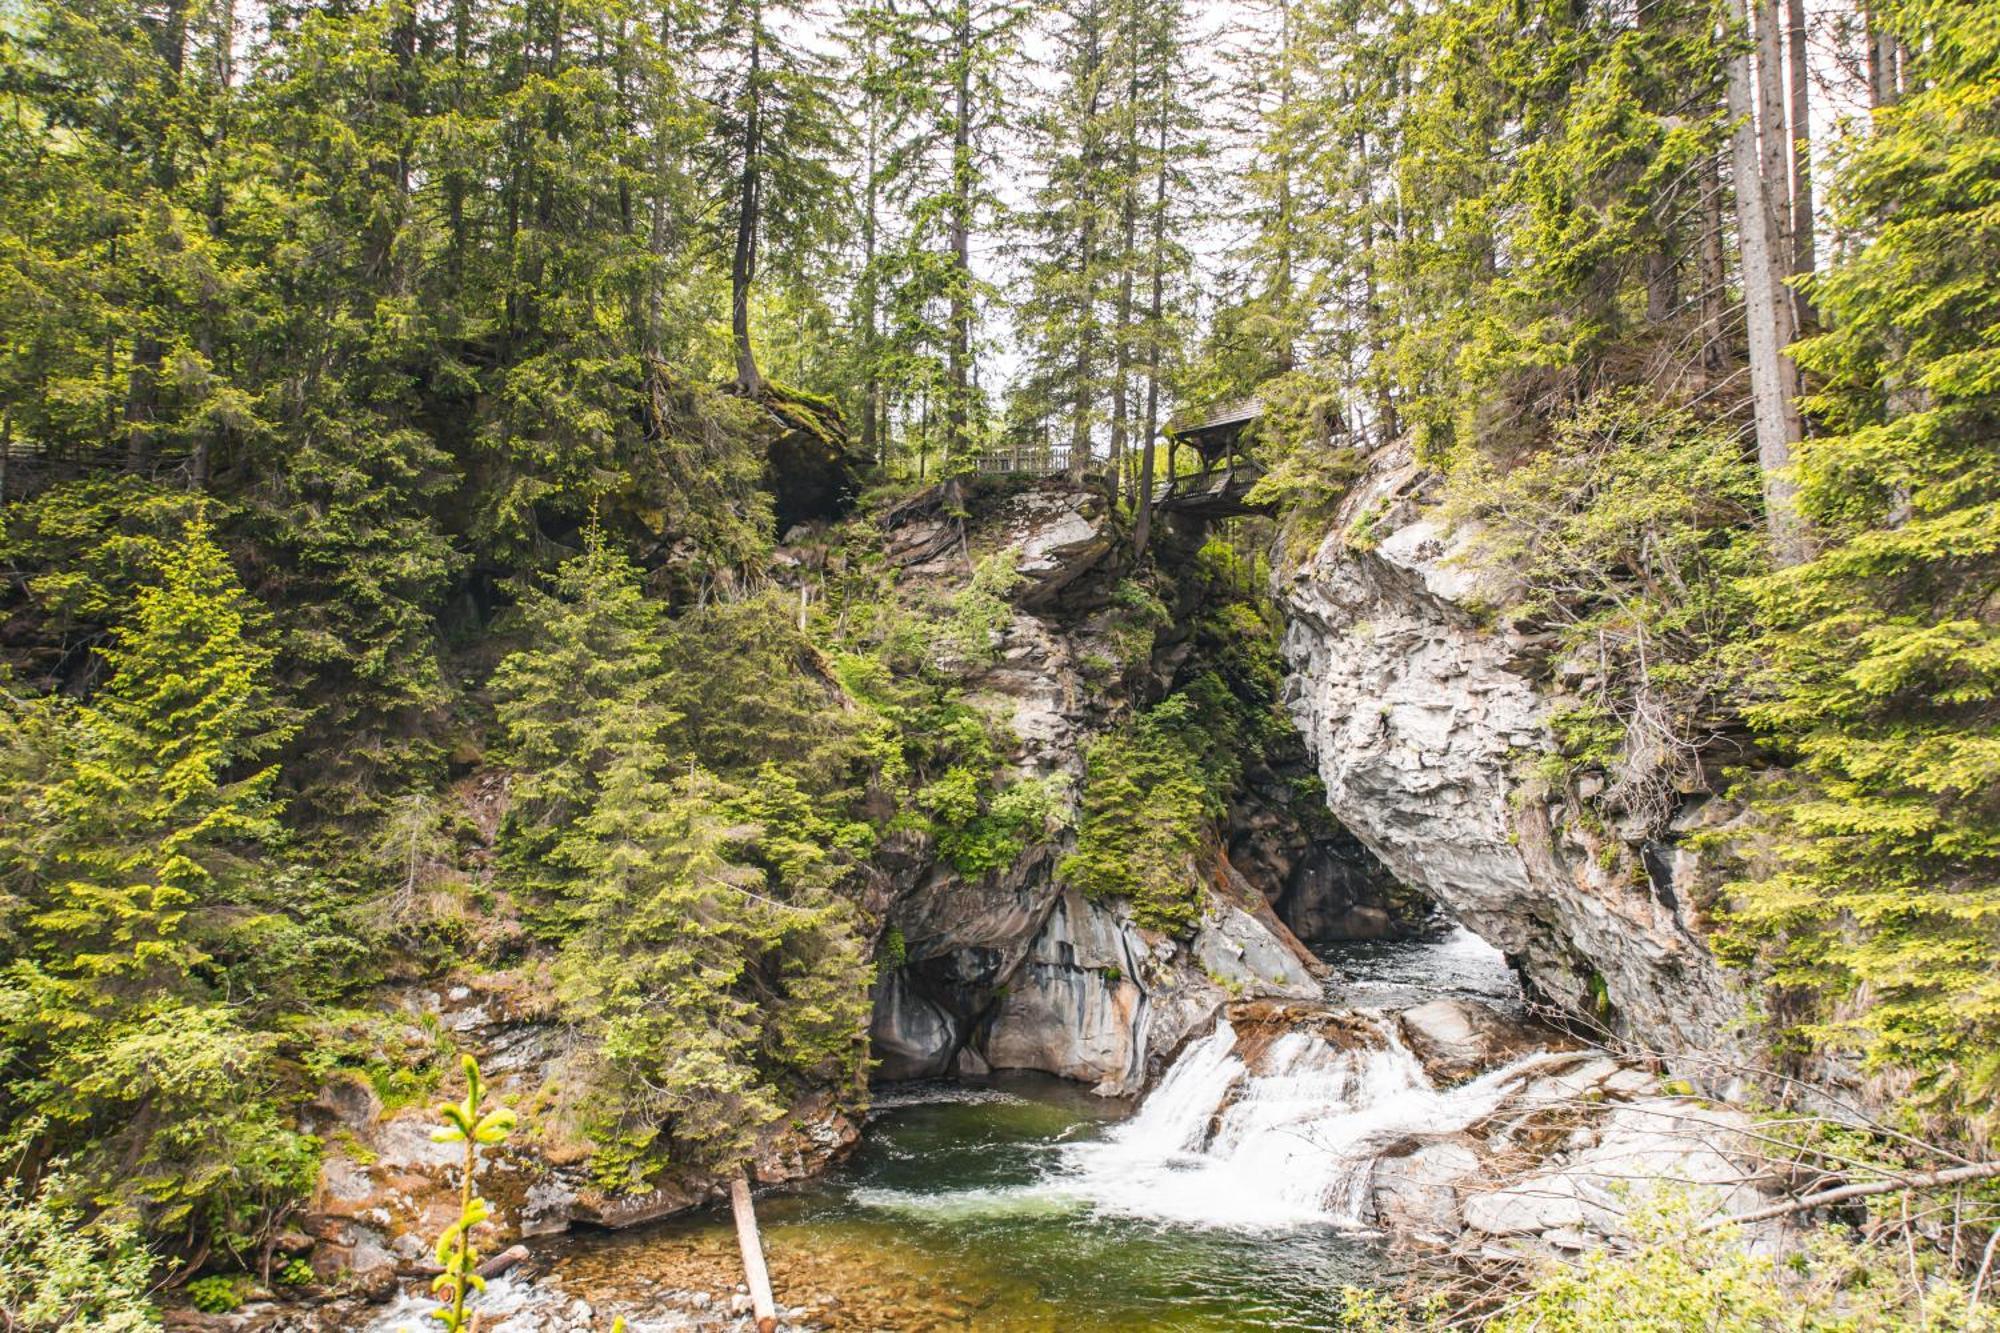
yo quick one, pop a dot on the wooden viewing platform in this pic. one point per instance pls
(1023, 459)
(1219, 488)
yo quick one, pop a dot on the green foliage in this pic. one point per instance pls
(1135, 622)
(86, 548)
(1878, 671)
(135, 821)
(471, 1123)
(705, 984)
(980, 610)
(978, 836)
(1307, 466)
(1146, 812)
(1154, 787)
(702, 943)
(58, 1271)
(593, 678)
(1629, 535)
(215, 1295)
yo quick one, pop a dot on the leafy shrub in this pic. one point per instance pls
(215, 1295)
(58, 1272)
(981, 610)
(980, 836)
(1147, 808)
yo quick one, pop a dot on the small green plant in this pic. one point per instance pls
(59, 1271)
(895, 949)
(215, 1295)
(469, 1123)
(294, 1273)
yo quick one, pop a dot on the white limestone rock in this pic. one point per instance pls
(1423, 722)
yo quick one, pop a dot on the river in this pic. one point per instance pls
(1226, 1201)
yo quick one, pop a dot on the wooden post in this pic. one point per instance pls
(755, 1276)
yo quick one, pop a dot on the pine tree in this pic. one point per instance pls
(589, 681)
(780, 133)
(1072, 230)
(136, 822)
(942, 65)
(1880, 651)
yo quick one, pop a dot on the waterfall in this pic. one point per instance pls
(1291, 1143)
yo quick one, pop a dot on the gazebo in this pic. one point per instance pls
(1215, 432)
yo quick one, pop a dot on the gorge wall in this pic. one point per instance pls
(1014, 970)
(1425, 716)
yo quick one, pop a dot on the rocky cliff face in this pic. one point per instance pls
(1424, 719)
(1015, 971)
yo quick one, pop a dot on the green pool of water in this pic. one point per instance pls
(963, 1212)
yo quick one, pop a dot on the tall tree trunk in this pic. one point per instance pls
(1128, 202)
(1714, 272)
(958, 360)
(1142, 525)
(1799, 118)
(1281, 281)
(1773, 143)
(743, 263)
(215, 209)
(1661, 270)
(1084, 368)
(1884, 58)
(871, 350)
(1387, 425)
(169, 43)
(1767, 311)
(1085, 365)
(455, 180)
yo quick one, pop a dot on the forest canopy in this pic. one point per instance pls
(399, 393)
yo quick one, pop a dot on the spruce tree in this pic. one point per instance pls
(135, 830)
(1880, 652)
(779, 135)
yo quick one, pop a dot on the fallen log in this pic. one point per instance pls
(755, 1275)
(501, 1262)
(1957, 1175)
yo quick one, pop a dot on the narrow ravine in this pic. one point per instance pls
(1232, 1198)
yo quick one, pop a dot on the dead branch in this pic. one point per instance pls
(1957, 1175)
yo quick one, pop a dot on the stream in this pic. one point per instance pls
(1226, 1201)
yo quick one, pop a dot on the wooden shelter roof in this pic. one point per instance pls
(1215, 429)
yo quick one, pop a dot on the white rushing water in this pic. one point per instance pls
(1220, 1145)
(1290, 1144)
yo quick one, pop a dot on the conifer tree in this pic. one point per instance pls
(780, 133)
(1879, 653)
(943, 66)
(136, 827)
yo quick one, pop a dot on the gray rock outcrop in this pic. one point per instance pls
(1012, 970)
(1425, 717)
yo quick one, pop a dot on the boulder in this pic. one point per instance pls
(1639, 1147)
(1461, 1039)
(1414, 1192)
(351, 1102)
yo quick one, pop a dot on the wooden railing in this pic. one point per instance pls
(1032, 460)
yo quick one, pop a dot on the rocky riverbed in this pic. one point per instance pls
(1293, 1147)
